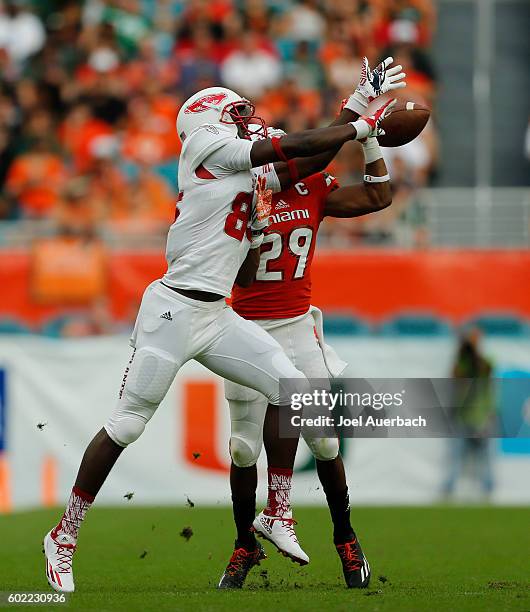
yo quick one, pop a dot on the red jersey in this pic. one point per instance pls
(282, 288)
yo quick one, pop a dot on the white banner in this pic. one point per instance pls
(55, 394)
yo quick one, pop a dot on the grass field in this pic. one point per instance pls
(440, 558)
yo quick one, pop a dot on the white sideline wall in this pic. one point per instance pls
(71, 385)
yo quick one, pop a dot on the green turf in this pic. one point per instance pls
(425, 559)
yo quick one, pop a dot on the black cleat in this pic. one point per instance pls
(355, 565)
(241, 562)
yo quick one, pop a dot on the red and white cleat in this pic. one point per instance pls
(280, 531)
(59, 551)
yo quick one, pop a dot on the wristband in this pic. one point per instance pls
(362, 128)
(278, 148)
(357, 103)
(371, 150)
(376, 179)
(257, 240)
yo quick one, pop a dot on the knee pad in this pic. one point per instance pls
(323, 449)
(247, 430)
(124, 429)
(129, 418)
(150, 375)
(145, 385)
(244, 451)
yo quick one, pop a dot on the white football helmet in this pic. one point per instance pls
(218, 105)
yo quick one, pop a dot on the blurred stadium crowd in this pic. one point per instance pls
(89, 93)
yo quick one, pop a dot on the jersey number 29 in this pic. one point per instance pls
(299, 244)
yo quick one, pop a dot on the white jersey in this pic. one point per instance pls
(210, 237)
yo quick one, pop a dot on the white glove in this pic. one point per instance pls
(370, 127)
(261, 209)
(271, 133)
(275, 132)
(375, 83)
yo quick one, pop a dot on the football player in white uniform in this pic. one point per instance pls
(184, 316)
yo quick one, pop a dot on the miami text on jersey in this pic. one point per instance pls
(289, 215)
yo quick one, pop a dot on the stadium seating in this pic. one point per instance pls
(501, 325)
(53, 328)
(89, 134)
(12, 326)
(169, 172)
(344, 324)
(415, 325)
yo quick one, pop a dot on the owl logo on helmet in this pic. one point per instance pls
(215, 105)
(206, 102)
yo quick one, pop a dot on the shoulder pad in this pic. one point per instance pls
(203, 141)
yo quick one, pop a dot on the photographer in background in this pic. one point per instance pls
(474, 415)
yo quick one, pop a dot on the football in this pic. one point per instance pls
(407, 122)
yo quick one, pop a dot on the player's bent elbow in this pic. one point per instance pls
(381, 197)
(386, 201)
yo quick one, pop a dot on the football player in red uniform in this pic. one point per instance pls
(273, 289)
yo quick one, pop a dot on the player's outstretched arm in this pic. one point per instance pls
(313, 142)
(372, 84)
(305, 144)
(302, 167)
(374, 194)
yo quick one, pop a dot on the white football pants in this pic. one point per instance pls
(248, 406)
(171, 329)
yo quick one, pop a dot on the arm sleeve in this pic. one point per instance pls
(271, 177)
